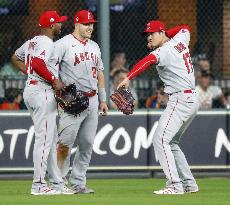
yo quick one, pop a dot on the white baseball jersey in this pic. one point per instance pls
(174, 64)
(40, 47)
(79, 62)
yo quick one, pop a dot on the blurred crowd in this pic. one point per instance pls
(210, 95)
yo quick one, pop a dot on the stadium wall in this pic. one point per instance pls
(124, 142)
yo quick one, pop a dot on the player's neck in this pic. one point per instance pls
(164, 40)
(47, 33)
(79, 37)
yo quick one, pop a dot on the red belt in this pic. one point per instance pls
(184, 91)
(90, 93)
(187, 91)
(33, 82)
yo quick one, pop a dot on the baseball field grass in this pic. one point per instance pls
(213, 191)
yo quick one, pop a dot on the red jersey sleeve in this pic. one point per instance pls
(173, 31)
(40, 68)
(142, 65)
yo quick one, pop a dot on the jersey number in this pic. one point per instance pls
(188, 62)
(28, 64)
(94, 71)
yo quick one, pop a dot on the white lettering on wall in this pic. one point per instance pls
(100, 136)
(14, 133)
(221, 140)
(142, 140)
(120, 132)
(1, 144)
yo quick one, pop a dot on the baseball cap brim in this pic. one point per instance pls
(152, 30)
(88, 21)
(62, 19)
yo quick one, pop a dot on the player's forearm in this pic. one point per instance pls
(19, 64)
(40, 68)
(142, 65)
(173, 31)
(101, 86)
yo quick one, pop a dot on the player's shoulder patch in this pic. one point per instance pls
(184, 30)
(43, 53)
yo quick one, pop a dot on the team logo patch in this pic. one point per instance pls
(77, 19)
(43, 53)
(51, 20)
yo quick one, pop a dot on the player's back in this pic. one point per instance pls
(174, 63)
(40, 47)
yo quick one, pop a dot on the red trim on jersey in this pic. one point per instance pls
(82, 42)
(44, 144)
(142, 65)
(173, 31)
(39, 66)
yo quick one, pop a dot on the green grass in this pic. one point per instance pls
(213, 191)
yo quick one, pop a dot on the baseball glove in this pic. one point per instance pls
(124, 100)
(71, 100)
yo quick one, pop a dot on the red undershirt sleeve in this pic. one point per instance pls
(39, 66)
(173, 31)
(142, 65)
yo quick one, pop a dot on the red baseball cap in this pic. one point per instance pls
(84, 16)
(49, 18)
(155, 26)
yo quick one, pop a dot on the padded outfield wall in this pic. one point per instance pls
(124, 142)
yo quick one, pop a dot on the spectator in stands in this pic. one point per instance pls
(227, 99)
(13, 99)
(158, 100)
(118, 77)
(203, 62)
(118, 62)
(210, 96)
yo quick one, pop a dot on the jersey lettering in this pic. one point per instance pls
(82, 56)
(188, 62)
(180, 47)
(85, 56)
(94, 70)
(76, 60)
(32, 45)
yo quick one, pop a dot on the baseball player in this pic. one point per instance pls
(80, 63)
(173, 63)
(33, 58)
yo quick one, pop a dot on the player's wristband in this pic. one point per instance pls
(102, 94)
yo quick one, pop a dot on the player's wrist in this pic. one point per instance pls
(102, 95)
(53, 79)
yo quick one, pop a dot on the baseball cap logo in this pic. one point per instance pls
(51, 20)
(89, 15)
(77, 19)
(148, 26)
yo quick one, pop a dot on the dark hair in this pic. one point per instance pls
(118, 72)
(205, 73)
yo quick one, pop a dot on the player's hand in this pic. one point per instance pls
(58, 85)
(124, 83)
(103, 108)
